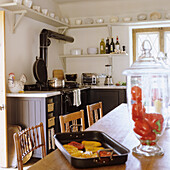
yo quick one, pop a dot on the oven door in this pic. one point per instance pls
(67, 104)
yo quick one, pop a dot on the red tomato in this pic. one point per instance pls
(136, 93)
(76, 144)
(138, 111)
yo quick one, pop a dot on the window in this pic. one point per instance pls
(158, 37)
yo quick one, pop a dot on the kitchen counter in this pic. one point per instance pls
(107, 87)
(34, 94)
(40, 93)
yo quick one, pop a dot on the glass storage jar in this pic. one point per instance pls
(147, 97)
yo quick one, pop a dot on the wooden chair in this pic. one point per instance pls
(94, 112)
(69, 122)
(29, 140)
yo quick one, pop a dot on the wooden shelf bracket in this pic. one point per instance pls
(16, 22)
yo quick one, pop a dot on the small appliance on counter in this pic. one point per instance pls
(108, 79)
(89, 79)
(71, 81)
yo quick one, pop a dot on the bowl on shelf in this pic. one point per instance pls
(114, 19)
(88, 21)
(18, 1)
(127, 19)
(76, 51)
(78, 21)
(52, 14)
(44, 11)
(92, 50)
(36, 8)
(99, 20)
(141, 17)
(27, 3)
(155, 16)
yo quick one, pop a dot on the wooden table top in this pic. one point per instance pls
(117, 125)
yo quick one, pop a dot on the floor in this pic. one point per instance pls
(26, 166)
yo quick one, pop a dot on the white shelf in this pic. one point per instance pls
(132, 23)
(91, 55)
(14, 7)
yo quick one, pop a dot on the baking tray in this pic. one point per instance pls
(107, 142)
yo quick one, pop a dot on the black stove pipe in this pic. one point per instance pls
(45, 41)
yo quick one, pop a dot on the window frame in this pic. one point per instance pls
(161, 31)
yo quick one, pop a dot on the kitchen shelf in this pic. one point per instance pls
(28, 12)
(91, 55)
(63, 57)
(132, 23)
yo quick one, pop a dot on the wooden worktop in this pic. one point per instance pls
(115, 124)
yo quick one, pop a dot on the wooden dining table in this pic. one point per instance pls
(117, 125)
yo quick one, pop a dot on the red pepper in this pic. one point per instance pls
(138, 111)
(151, 136)
(136, 93)
(76, 144)
(155, 120)
(142, 128)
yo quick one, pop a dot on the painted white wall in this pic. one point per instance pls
(91, 37)
(22, 47)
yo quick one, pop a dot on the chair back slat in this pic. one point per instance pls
(94, 112)
(29, 140)
(72, 121)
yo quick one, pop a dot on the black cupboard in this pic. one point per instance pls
(110, 98)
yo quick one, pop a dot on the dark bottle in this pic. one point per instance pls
(112, 46)
(107, 46)
(117, 45)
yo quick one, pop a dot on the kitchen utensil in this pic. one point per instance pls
(92, 50)
(76, 51)
(108, 79)
(58, 74)
(40, 70)
(56, 83)
(71, 77)
(107, 142)
(147, 93)
(155, 15)
(142, 17)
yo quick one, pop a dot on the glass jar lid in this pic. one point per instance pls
(146, 63)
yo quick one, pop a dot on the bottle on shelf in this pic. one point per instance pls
(112, 46)
(102, 46)
(117, 45)
(107, 46)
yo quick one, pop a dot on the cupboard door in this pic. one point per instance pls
(110, 98)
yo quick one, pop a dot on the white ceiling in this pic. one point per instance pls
(88, 8)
